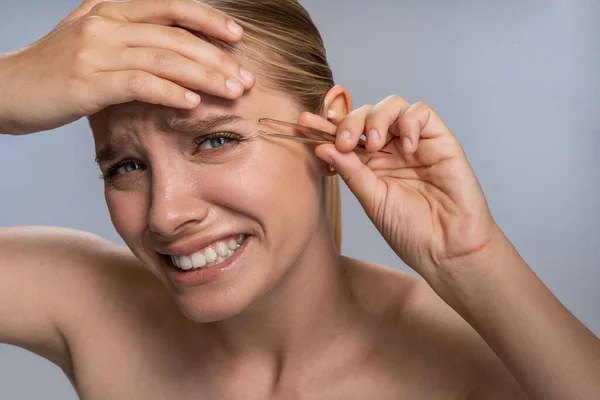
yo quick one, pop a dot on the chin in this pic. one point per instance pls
(212, 307)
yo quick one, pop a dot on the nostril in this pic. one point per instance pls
(168, 220)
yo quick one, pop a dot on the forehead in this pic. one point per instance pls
(135, 116)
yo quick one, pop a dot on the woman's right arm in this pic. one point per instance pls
(112, 52)
(104, 53)
(51, 278)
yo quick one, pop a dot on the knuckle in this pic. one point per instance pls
(371, 116)
(352, 114)
(394, 98)
(101, 8)
(82, 58)
(347, 120)
(171, 7)
(212, 14)
(179, 35)
(134, 83)
(395, 102)
(365, 108)
(166, 90)
(162, 59)
(362, 112)
(209, 76)
(92, 26)
(228, 63)
(419, 105)
(209, 9)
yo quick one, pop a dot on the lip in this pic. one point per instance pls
(193, 246)
(206, 275)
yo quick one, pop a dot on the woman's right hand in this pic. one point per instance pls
(111, 52)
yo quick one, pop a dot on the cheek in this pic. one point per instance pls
(277, 186)
(127, 211)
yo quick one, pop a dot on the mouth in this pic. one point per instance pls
(211, 256)
(207, 264)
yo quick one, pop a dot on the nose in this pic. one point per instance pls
(176, 205)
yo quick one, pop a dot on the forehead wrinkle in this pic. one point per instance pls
(118, 142)
(121, 138)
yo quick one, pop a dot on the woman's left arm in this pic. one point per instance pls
(549, 351)
(425, 200)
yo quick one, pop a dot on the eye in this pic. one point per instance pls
(123, 168)
(129, 166)
(216, 140)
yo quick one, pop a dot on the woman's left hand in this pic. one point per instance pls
(423, 197)
(428, 205)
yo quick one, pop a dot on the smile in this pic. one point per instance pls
(210, 256)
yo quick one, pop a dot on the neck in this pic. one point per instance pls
(308, 309)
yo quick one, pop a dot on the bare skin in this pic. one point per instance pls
(113, 53)
(127, 339)
(295, 320)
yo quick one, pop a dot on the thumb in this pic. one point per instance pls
(361, 180)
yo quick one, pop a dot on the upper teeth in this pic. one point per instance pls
(213, 254)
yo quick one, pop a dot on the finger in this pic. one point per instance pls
(125, 86)
(169, 65)
(185, 13)
(361, 180)
(80, 11)
(351, 129)
(418, 122)
(320, 123)
(185, 43)
(317, 122)
(379, 120)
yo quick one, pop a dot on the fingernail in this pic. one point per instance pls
(373, 137)
(192, 97)
(344, 136)
(234, 28)
(406, 143)
(234, 85)
(247, 76)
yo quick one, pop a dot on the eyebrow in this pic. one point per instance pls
(201, 126)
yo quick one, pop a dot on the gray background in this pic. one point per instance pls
(515, 80)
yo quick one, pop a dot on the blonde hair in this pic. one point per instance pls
(282, 40)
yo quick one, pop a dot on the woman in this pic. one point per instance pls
(280, 314)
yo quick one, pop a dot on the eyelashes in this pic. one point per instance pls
(113, 170)
(212, 143)
(217, 138)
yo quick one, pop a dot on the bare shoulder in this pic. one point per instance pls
(431, 332)
(62, 283)
(55, 243)
(70, 257)
(99, 279)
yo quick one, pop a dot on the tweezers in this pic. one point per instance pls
(325, 137)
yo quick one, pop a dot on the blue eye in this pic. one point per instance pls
(122, 168)
(214, 142)
(126, 167)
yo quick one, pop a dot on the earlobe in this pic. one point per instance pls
(337, 104)
(327, 169)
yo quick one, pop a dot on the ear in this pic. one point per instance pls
(337, 104)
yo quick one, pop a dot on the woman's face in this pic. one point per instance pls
(203, 187)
